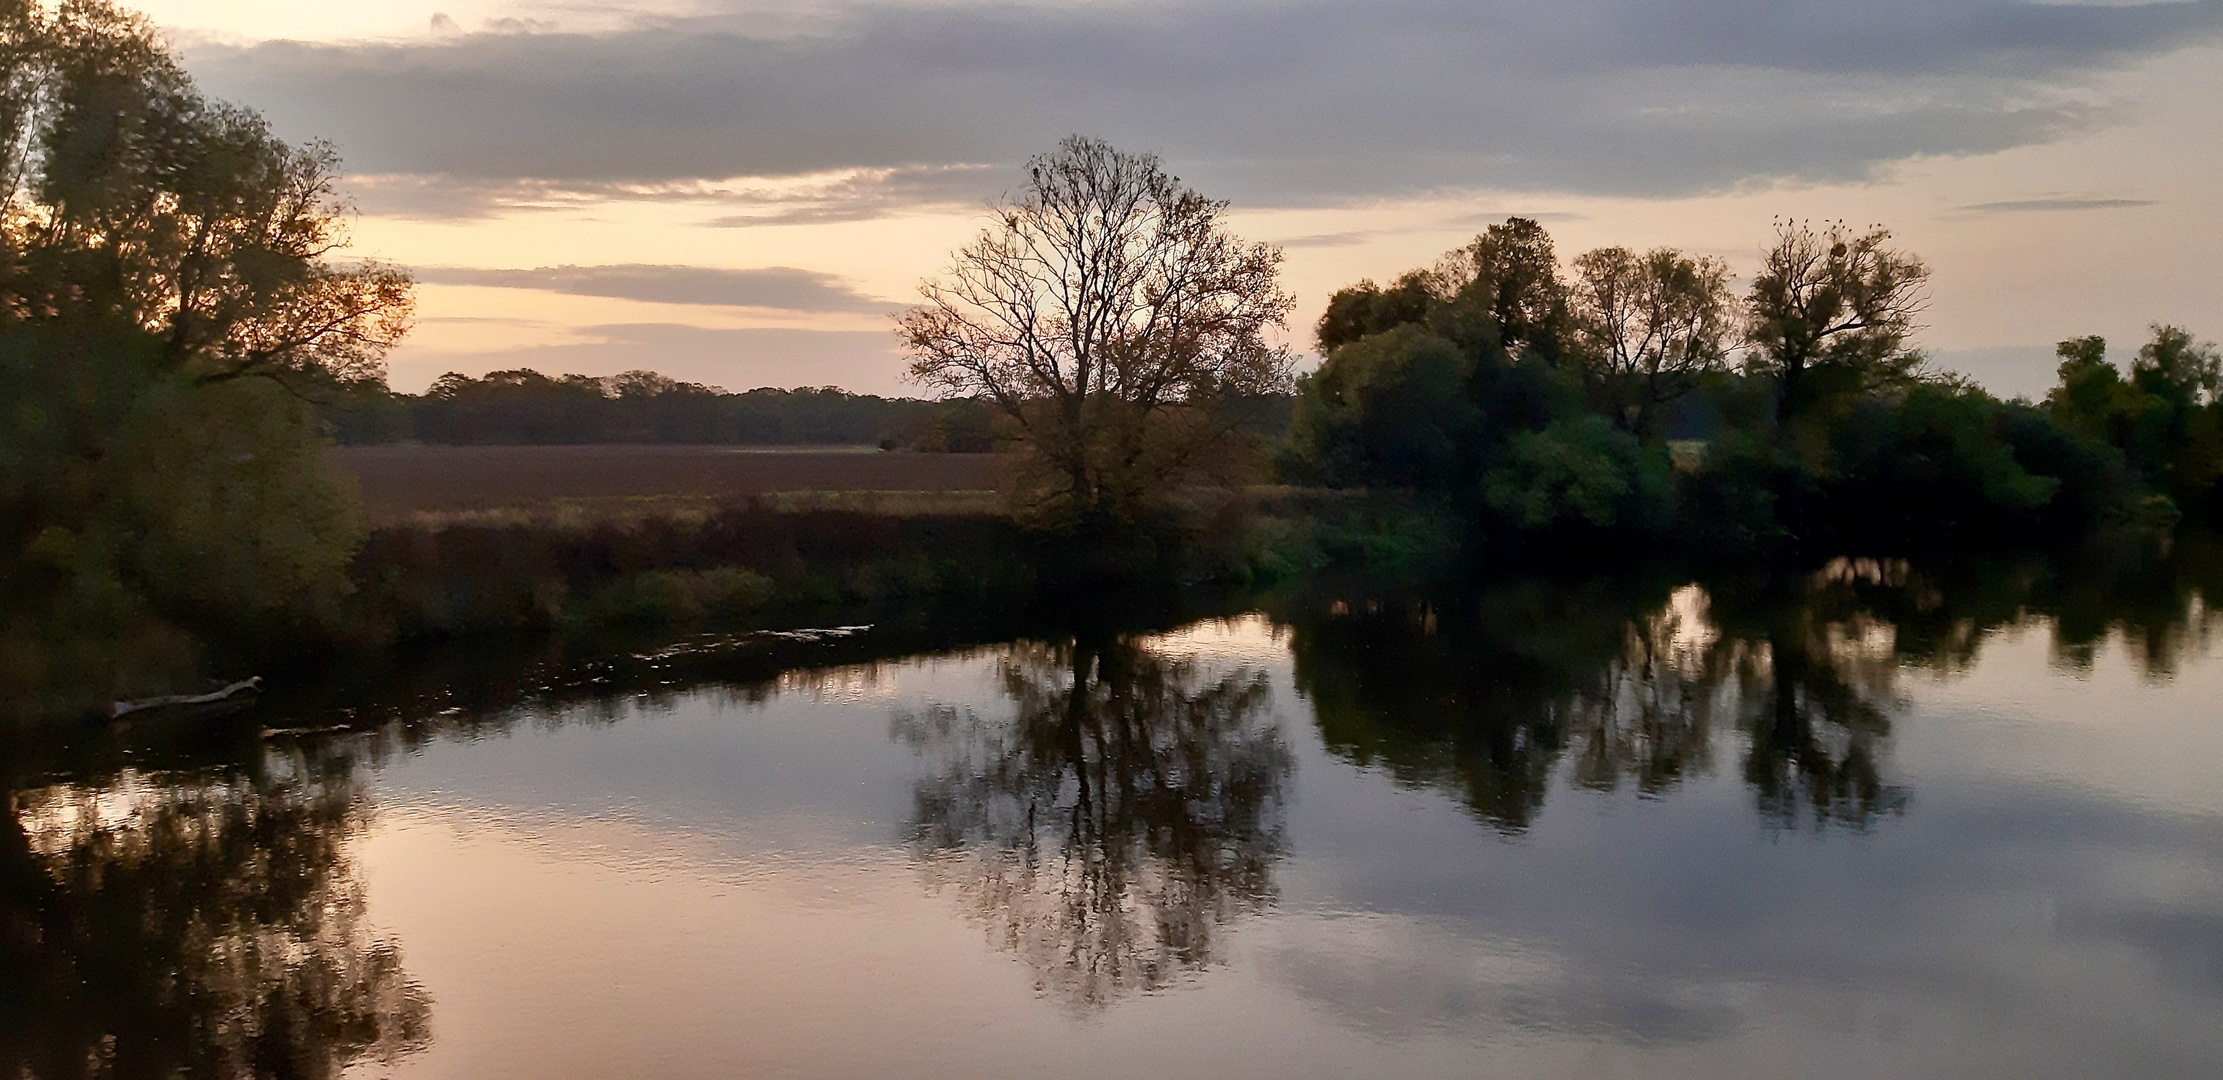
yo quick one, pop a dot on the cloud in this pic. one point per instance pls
(780, 287)
(1477, 220)
(1334, 239)
(1293, 102)
(2019, 205)
(841, 195)
(862, 361)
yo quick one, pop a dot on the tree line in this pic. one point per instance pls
(1637, 393)
(523, 406)
(1115, 325)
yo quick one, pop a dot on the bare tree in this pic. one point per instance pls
(1114, 320)
(1832, 302)
(1652, 324)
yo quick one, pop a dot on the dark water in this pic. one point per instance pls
(1872, 819)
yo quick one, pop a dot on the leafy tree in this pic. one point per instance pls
(165, 302)
(2092, 400)
(1388, 410)
(2180, 440)
(1835, 308)
(1367, 308)
(1510, 276)
(132, 197)
(1580, 471)
(1651, 326)
(2163, 419)
(1111, 316)
(1933, 460)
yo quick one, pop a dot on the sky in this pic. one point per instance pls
(743, 192)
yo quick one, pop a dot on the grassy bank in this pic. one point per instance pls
(580, 566)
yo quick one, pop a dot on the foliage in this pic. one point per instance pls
(1539, 405)
(165, 301)
(1830, 313)
(131, 197)
(1509, 278)
(1366, 308)
(2164, 421)
(1387, 410)
(1580, 471)
(1932, 459)
(679, 595)
(1650, 326)
(1109, 314)
(523, 406)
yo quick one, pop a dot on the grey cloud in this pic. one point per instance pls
(2018, 205)
(1291, 103)
(862, 361)
(849, 196)
(870, 194)
(781, 287)
(1474, 220)
(1337, 239)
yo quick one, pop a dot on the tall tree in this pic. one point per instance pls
(1834, 305)
(1510, 275)
(1111, 316)
(167, 294)
(1650, 325)
(129, 194)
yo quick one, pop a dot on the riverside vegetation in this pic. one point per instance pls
(178, 346)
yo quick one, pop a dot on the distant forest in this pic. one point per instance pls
(523, 407)
(527, 407)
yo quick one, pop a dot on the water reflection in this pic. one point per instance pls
(202, 924)
(1490, 691)
(1109, 812)
(1106, 827)
(1481, 694)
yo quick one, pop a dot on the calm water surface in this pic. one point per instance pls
(1859, 822)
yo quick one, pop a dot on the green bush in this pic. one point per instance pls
(678, 596)
(1390, 410)
(1581, 472)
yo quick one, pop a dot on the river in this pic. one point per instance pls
(1865, 819)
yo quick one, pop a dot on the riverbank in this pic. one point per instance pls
(575, 566)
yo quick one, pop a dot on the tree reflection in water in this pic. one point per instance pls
(1815, 680)
(1617, 683)
(172, 925)
(1127, 808)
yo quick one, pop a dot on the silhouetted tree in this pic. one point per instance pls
(1367, 308)
(1650, 325)
(165, 297)
(1836, 306)
(1510, 276)
(1108, 314)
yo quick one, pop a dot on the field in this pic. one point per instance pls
(402, 480)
